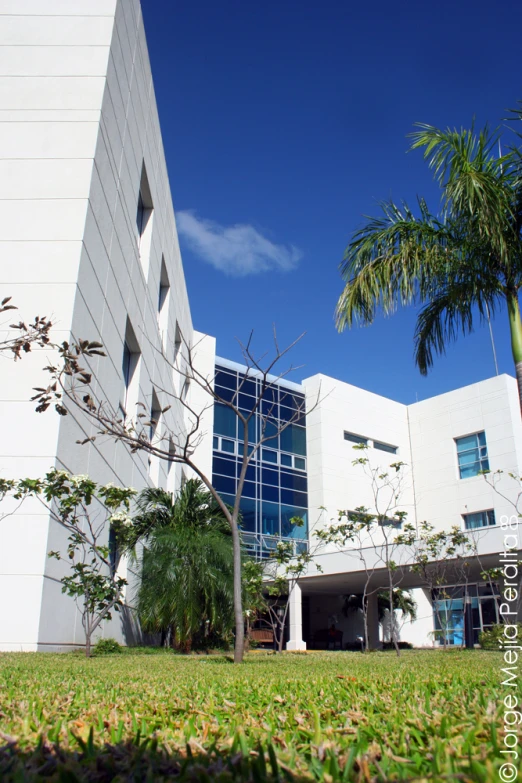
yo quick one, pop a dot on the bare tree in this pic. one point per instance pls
(72, 384)
(372, 534)
(25, 335)
(282, 572)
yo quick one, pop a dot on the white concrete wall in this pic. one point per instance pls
(78, 122)
(334, 483)
(201, 402)
(442, 497)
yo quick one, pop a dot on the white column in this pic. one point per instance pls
(295, 610)
(373, 622)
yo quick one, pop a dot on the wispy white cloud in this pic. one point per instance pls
(238, 250)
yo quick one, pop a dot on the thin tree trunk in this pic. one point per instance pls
(392, 624)
(238, 595)
(365, 620)
(515, 327)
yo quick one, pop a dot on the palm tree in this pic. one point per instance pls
(186, 565)
(460, 265)
(401, 600)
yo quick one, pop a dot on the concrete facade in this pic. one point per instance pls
(80, 138)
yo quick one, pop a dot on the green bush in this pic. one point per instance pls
(490, 640)
(107, 647)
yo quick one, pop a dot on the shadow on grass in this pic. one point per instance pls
(136, 762)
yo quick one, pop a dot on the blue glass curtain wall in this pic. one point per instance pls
(276, 486)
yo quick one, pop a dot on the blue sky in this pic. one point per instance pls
(284, 123)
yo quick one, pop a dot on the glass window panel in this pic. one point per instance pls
(269, 430)
(299, 463)
(215, 442)
(292, 401)
(293, 498)
(269, 408)
(479, 519)
(293, 439)
(285, 414)
(472, 454)
(353, 438)
(270, 493)
(249, 489)
(286, 459)
(384, 447)
(224, 421)
(250, 474)
(245, 402)
(489, 611)
(269, 456)
(248, 514)
(224, 484)
(271, 394)
(270, 519)
(466, 443)
(228, 380)
(228, 445)
(468, 472)
(247, 386)
(223, 466)
(289, 530)
(270, 477)
(140, 215)
(228, 499)
(294, 481)
(225, 394)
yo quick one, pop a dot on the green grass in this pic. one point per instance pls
(319, 716)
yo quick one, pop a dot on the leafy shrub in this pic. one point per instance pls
(107, 647)
(490, 640)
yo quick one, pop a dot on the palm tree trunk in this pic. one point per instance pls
(515, 327)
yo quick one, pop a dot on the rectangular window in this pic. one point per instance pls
(224, 421)
(144, 211)
(479, 519)
(177, 342)
(228, 446)
(472, 454)
(353, 438)
(163, 304)
(293, 439)
(390, 522)
(129, 370)
(267, 455)
(155, 415)
(384, 447)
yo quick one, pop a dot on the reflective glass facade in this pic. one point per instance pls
(449, 607)
(276, 486)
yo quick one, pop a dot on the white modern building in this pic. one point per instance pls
(88, 237)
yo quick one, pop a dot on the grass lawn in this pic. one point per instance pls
(320, 716)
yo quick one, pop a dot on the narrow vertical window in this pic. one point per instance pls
(177, 342)
(472, 454)
(144, 215)
(163, 304)
(130, 372)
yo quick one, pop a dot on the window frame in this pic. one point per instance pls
(353, 437)
(489, 513)
(481, 458)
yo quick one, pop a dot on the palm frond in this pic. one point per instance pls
(476, 180)
(392, 261)
(458, 304)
